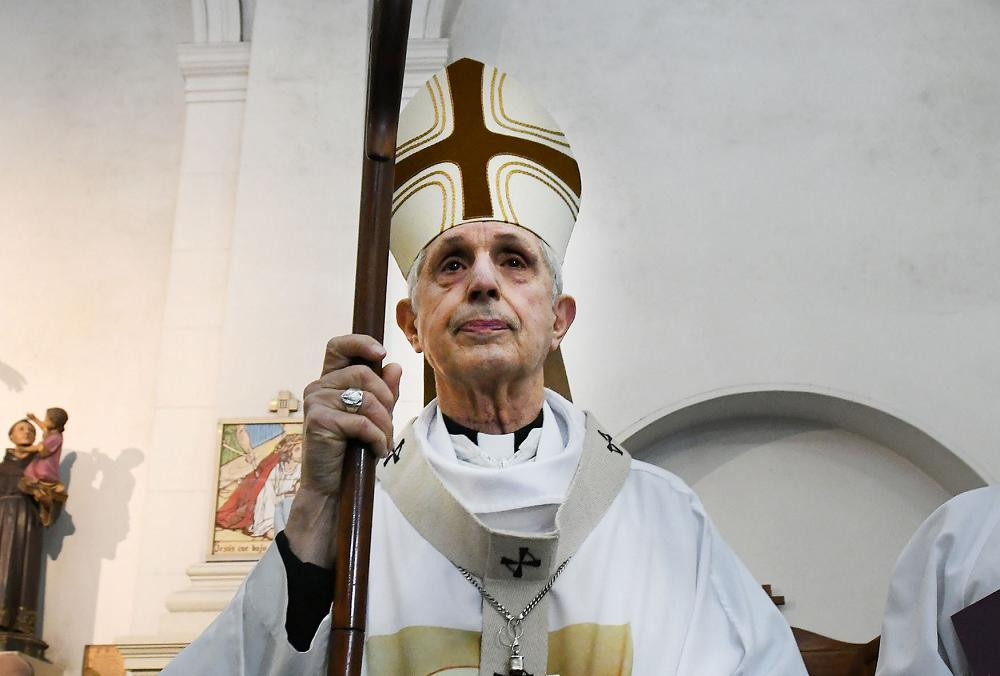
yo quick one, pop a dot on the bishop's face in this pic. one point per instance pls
(484, 310)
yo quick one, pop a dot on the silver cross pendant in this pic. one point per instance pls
(516, 660)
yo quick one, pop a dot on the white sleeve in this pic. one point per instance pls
(950, 562)
(248, 638)
(735, 629)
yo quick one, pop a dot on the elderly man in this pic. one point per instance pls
(511, 534)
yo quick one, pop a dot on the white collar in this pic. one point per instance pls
(543, 481)
(495, 450)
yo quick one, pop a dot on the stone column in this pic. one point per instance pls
(215, 70)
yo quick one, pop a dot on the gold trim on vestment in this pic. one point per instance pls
(440, 118)
(542, 180)
(583, 649)
(545, 177)
(495, 93)
(422, 182)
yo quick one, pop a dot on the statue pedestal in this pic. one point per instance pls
(41, 668)
(212, 587)
(15, 641)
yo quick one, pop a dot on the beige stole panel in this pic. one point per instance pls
(512, 566)
(576, 650)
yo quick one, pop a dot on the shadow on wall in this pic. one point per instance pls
(700, 450)
(101, 487)
(12, 378)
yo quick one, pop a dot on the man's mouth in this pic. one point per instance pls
(484, 326)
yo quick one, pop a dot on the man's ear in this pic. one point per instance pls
(406, 319)
(565, 312)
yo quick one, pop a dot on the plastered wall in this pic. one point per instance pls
(773, 193)
(776, 192)
(90, 124)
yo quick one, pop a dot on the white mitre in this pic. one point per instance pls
(474, 145)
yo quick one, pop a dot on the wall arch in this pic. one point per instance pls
(867, 419)
(817, 492)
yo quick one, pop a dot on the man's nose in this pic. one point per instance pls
(483, 282)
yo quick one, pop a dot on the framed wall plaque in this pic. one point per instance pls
(258, 472)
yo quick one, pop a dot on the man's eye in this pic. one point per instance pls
(514, 262)
(451, 266)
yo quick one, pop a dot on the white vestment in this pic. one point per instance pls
(650, 588)
(952, 561)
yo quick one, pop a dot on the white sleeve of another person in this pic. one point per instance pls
(952, 561)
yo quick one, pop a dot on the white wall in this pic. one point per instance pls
(90, 124)
(782, 194)
(776, 192)
(291, 275)
(291, 279)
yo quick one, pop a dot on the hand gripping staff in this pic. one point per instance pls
(390, 24)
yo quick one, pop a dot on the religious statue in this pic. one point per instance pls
(41, 477)
(31, 497)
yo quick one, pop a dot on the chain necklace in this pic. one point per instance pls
(515, 623)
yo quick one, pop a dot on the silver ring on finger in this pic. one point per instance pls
(352, 398)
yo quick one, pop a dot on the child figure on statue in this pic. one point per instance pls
(45, 466)
(41, 477)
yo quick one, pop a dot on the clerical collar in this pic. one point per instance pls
(486, 489)
(457, 428)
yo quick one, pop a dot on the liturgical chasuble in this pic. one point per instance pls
(650, 587)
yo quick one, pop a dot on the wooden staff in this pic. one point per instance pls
(390, 24)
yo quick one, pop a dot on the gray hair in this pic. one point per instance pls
(552, 262)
